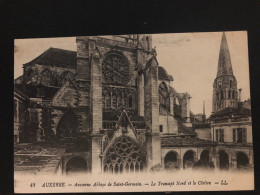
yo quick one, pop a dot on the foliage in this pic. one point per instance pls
(203, 164)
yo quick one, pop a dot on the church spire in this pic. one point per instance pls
(225, 85)
(224, 61)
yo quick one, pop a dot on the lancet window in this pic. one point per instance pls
(163, 95)
(118, 98)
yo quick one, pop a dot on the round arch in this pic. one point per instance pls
(76, 164)
(172, 160)
(67, 125)
(205, 155)
(163, 95)
(124, 155)
(223, 159)
(188, 159)
(241, 159)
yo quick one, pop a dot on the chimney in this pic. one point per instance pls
(239, 95)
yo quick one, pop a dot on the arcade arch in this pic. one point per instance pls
(223, 160)
(76, 164)
(171, 160)
(188, 159)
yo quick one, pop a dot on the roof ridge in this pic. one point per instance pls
(62, 49)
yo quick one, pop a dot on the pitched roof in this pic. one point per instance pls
(187, 141)
(56, 57)
(163, 75)
(228, 112)
(19, 79)
(224, 61)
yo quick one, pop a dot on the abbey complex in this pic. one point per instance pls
(109, 107)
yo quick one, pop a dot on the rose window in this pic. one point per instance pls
(116, 69)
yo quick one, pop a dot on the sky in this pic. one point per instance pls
(191, 58)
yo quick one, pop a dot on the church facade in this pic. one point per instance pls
(112, 108)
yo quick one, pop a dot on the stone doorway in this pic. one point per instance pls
(76, 165)
(68, 125)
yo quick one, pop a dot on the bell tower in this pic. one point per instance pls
(225, 84)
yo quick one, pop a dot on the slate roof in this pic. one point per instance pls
(201, 125)
(187, 141)
(19, 79)
(56, 57)
(163, 75)
(228, 112)
(31, 90)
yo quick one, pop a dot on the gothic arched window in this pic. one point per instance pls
(163, 94)
(219, 85)
(124, 156)
(68, 125)
(107, 99)
(119, 99)
(114, 100)
(230, 83)
(222, 95)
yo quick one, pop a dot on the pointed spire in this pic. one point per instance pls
(203, 107)
(224, 61)
(204, 114)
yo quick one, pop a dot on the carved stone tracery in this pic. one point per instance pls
(115, 69)
(124, 156)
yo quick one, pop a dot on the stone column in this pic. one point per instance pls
(140, 86)
(172, 104)
(83, 67)
(96, 107)
(151, 113)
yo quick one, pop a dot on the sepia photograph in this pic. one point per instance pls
(133, 113)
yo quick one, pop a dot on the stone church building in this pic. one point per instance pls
(112, 108)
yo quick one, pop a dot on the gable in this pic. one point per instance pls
(124, 126)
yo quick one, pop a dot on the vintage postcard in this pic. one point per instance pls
(133, 113)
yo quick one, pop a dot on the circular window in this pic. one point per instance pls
(116, 69)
